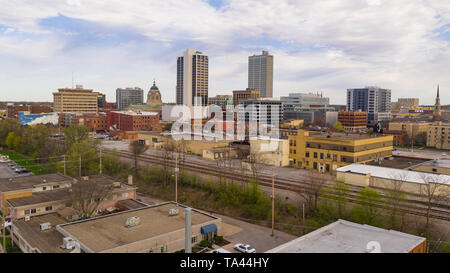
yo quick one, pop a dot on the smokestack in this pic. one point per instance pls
(188, 231)
(130, 179)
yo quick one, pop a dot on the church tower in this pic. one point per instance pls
(154, 96)
(437, 105)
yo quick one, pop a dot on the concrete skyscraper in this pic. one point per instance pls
(192, 78)
(260, 74)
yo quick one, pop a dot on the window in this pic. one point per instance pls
(48, 208)
(335, 158)
(33, 210)
(315, 165)
(321, 155)
(327, 167)
(315, 155)
(295, 152)
(194, 240)
(44, 188)
(328, 156)
(56, 186)
(27, 211)
(307, 154)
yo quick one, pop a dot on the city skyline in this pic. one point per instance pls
(313, 52)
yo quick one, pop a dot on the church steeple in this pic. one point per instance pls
(437, 106)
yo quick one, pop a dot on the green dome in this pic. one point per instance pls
(154, 87)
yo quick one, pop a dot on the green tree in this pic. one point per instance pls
(7, 126)
(340, 191)
(366, 211)
(85, 152)
(16, 143)
(10, 140)
(338, 126)
(111, 162)
(75, 134)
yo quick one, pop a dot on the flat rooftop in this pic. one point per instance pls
(27, 182)
(343, 136)
(348, 237)
(107, 232)
(438, 163)
(48, 241)
(40, 197)
(396, 174)
(398, 162)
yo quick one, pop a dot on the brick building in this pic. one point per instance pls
(353, 121)
(133, 121)
(13, 110)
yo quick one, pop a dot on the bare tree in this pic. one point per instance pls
(137, 148)
(167, 150)
(257, 164)
(87, 195)
(394, 196)
(435, 188)
(314, 184)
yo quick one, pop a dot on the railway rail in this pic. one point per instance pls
(410, 206)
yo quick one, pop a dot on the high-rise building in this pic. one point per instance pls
(373, 100)
(260, 111)
(75, 100)
(128, 96)
(192, 78)
(260, 74)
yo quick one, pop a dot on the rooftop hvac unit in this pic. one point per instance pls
(68, 243)
(45, 226)
(173, 212)
(27, 218)
(132, 221)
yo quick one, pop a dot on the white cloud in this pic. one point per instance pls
(324, 45)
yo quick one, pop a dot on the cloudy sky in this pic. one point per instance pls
(326, 45)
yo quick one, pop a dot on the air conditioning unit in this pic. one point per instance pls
(27, 218)
(116, 184)
(68, 243)
(46, 226)
(173, 212)
(132, 221)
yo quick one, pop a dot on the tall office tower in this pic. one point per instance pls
(260, 74)
(192, 78)
(373, 100)
(126, 97)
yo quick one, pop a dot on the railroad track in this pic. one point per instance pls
(409, 206)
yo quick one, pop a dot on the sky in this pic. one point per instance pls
(318, 46)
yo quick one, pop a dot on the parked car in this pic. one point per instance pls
(245, 248)
(220, 250)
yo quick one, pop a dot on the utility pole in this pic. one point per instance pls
(273, 199)
(64, 162)
(100, 171)
(80, 167)
(176, 179)
(303, 219)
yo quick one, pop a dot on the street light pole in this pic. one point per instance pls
(176, 179)
(273, 199)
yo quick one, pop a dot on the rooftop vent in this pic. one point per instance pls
(45, 181)
(173, 212)
(45, 226)
(133, 221)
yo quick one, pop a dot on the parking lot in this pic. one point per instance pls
(7, 172)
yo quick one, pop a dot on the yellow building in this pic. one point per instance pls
(328, 151)
(438, 136)
(410, 128)
(269, 151)
(75, 100)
